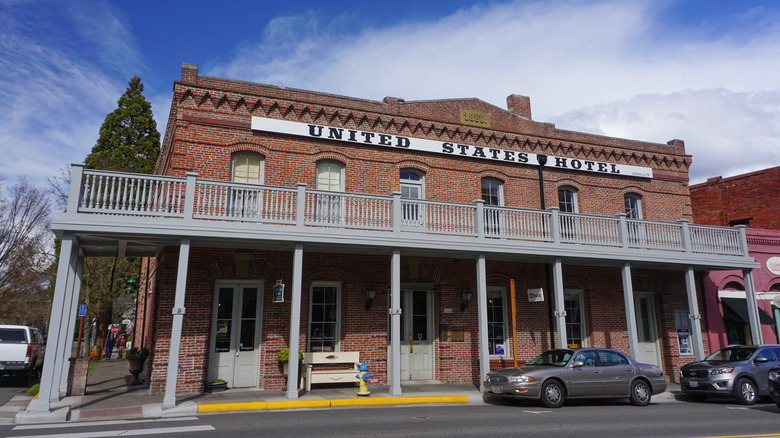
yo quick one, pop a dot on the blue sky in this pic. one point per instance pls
(706, 72)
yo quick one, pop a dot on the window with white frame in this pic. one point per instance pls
(633, 204)
(575, 318)
(330, 178)
(246, 167)
(492, 194)
(567, 203)
(497, 322)
(324, 316)
(412, 187)
(244, 202)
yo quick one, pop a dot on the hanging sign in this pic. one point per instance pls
(369, 138)
(82, 310)
(278, 292)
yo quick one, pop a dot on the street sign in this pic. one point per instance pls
(126, 322)
(82, 310)
(115, 329)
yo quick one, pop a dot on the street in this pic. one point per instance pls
(575, 419)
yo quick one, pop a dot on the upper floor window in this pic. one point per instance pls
(412, 184)
(567, 199)
(633, 205)
(492, 191)
(330, 176)
(246, 167)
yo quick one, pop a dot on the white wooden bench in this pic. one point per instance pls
(348, 360)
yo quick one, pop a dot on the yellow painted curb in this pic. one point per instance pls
(297, 404)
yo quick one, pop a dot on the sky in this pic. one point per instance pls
(704, 71)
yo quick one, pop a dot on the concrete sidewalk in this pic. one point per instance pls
(109, 395)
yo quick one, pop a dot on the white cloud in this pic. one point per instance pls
(608, 67)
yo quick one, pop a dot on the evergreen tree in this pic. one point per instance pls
(128, 140)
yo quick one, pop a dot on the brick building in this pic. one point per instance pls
(283, 218)
(750, 200)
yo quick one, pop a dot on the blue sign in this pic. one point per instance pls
(82, 310)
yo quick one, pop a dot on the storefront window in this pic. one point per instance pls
(324, 323)
(497, 327)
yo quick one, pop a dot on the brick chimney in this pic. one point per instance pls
(519, 105)
(189, 74)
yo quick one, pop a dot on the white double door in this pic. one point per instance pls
(235, 334)
(417, 335)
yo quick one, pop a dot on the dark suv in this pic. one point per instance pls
(740, 371)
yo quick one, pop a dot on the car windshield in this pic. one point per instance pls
(732, 354)
(552, 358)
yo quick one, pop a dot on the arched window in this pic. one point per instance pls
(633, 204)
(492, 191)
(330, 178)
(246, 167)
(567, 199)
(774, 288)
(733, 285)
(412, 187)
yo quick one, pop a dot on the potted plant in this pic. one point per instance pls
(283, 358)
(135, 360)
(216, 385)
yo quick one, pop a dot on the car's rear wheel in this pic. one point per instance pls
(553, 394)
(640, 393)
(745, 391)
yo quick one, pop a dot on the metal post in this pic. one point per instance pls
(178, 310)
(560, 312)
(752, 306)
(295, 323)
(69, 321)
(693, 311)
(628, 298)
(395, 323)
(484, 357)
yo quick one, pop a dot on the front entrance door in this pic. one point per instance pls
(235, 335)
(416, 335)
(647, 331)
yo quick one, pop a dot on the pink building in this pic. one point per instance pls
(725, 309)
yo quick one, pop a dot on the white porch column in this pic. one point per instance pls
(169, 400)
(395, 323)
(69, 316)
(693, 311)
(295, 323)
(628, 298)
(752, 306)
(52, 364)
(484, 356)
(560, 312)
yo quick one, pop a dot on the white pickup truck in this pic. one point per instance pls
(21, 349)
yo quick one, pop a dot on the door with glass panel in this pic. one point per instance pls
(647, 331)
(416, 335)
(235, 334)
(412, 189)
(492, 194)
(330, 178)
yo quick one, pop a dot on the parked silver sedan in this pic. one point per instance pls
(556, 375)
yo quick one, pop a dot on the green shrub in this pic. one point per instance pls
(33, 390)
(135, 352)
(284, 355)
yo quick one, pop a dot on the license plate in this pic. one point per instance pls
(693, 384)
(496, 390)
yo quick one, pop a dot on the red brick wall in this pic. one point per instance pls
(754, 196)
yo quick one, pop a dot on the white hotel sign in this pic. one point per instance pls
(369, 138)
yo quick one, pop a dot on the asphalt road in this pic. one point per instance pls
(580, 420)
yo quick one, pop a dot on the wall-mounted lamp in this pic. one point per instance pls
(466, 295)
(370, 295)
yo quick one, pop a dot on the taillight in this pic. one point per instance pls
(29, 351)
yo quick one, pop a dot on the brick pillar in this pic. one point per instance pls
(77, 375)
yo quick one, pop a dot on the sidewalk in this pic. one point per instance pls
(109, 396)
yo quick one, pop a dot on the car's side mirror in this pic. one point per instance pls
(577, 363)
(761, 360)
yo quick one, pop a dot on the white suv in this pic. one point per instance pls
(21, 349)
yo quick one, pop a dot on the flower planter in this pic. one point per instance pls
(136, 365)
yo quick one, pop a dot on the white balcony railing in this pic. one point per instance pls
(117, 193)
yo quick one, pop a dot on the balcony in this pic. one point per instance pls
(110, 205)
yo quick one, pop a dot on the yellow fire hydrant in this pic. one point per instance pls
(363, 376)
